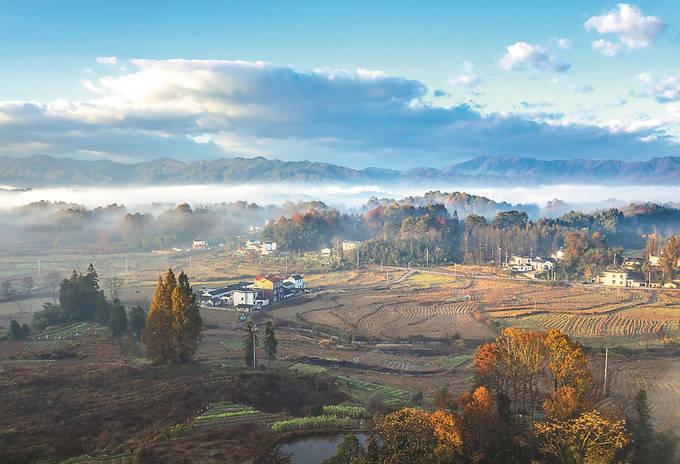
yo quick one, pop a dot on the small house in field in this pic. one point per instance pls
(247, 297)
(654, 260)
(326, 251)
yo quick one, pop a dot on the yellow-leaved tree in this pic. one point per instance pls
(586, 439)
(173, 325)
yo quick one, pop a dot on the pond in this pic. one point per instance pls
(315, 449)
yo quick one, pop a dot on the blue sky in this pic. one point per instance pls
(392, 84)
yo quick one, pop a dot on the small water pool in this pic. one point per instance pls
(315, 449)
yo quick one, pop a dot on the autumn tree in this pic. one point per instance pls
(186, 320)
(406, 437)
(157, 332)
(587, 439)
(518, 361)
(174, 323)
(270, 342)
(669, 259)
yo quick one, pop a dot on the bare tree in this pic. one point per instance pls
(28, 284)
(52, 281)
(6, 288)
(113, 285)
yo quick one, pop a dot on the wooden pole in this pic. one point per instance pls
(606, 361)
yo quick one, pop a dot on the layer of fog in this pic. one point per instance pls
(582, 197)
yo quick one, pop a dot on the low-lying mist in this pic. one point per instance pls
(579, 197)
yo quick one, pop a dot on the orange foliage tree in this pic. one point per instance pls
(519, 361)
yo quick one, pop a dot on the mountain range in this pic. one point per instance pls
(47, 171)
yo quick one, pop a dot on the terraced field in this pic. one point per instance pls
(437, 320)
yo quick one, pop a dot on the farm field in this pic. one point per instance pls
(377, 343)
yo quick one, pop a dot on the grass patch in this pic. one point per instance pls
(455, 361)
(308, 368)
(366, 390)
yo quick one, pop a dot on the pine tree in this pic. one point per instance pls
(186, 320)
(270, 342)
(137, 321)
(157, 332)
(14, 330)
(118, 319)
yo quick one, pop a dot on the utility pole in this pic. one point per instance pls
(388, 279)
(38, 267)
(286, 263)
(606, 360)
(427, 257)
(499, 256)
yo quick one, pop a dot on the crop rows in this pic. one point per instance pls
(587, 325)
(388, 395)
(433, 320)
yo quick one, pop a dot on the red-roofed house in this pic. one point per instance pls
(272, 287)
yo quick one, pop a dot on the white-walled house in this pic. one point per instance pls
(297, 280)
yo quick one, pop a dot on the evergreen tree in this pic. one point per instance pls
(249, 343)
(137, 321)
(157, 332)
(270, 342)
(186, 320)
(25, 331)
(118, 319)
(14, 330)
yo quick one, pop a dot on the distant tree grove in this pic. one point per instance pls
(173, 324)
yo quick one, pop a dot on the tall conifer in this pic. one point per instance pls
(157, 333)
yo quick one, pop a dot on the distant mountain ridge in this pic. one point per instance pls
(47, 171)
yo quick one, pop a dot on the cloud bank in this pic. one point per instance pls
(200, 109)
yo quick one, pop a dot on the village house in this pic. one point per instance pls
(326, 251)
(654, 260)
(199, 245)
(297, 280)
(619, 278)
(348, 245)
(526, 264)
(558, 255)
(271, 286)
(249, 297)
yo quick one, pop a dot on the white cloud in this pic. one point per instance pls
(644, 78)
(466, 80)
(628, 23)
(521, 54)
(606, 47)
(663, 90)
(565, 44)
(112, 60)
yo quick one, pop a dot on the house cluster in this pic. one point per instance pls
(248, 296)
(528, 264)
(256, 246)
